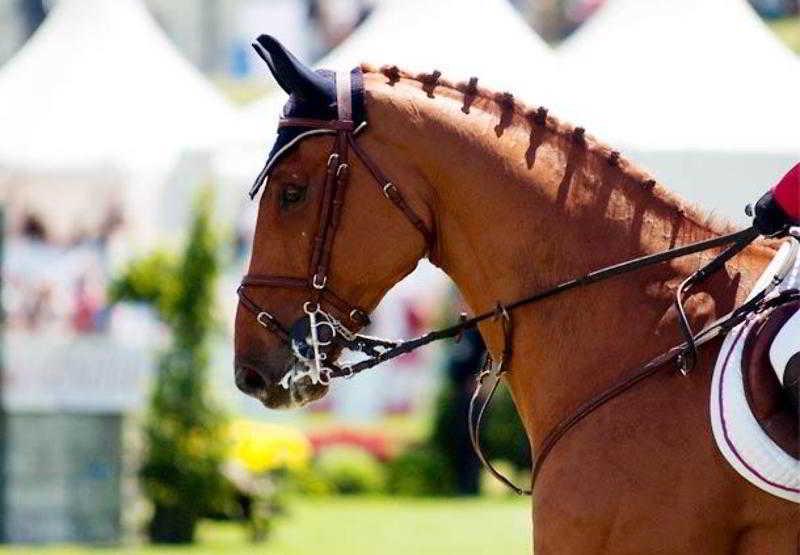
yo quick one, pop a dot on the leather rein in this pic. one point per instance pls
(330, 317)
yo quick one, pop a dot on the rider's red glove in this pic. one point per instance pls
(780, 207)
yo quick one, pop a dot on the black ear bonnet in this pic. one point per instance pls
(312, 94)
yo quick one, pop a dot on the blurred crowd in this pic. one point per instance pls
(57, 286)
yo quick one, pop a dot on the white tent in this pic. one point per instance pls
(482, 38)
(463, 38)
(699, 91)
(100, 84)
(100, 99)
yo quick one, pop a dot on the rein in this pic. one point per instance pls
(329, 317)
(740, 239)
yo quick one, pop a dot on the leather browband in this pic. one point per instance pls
(333, 125)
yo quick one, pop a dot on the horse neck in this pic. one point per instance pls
(519, 207)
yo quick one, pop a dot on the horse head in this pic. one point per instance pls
(328, 245)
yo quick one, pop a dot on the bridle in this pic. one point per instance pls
(329, 317)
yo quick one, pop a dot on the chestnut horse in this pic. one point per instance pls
(517, 201)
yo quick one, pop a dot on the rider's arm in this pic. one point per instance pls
(779, 207)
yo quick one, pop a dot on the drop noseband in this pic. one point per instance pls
(325, 310)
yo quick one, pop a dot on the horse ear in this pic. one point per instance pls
(291, 75)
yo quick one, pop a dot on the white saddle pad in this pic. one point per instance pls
(737, 433)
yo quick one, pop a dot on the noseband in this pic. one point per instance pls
(325, 310)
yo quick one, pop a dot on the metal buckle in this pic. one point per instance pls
(341, 169)
(386, 188)
(333, 159)
(270, 319)
(324, 377)
(319, 286)
(355, 315)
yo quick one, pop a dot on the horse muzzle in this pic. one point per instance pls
(285, 376)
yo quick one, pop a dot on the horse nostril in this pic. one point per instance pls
(253, 380)
(250, 381)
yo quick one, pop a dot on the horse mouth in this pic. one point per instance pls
(289, 392)
(301, 390)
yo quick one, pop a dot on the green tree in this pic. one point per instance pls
(184, 427)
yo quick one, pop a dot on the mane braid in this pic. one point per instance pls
(538, 116)
(509, 106)
(470, 91)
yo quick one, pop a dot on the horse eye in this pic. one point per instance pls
(292, 194)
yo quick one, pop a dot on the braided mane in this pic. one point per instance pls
(539, 119)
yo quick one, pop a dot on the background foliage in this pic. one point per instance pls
(184, 428)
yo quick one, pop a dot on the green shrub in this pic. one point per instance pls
(351, 471)
(154, 279)
(308, 481)
(503, 435)
(421, 471)
(184, 428)
(493, 487)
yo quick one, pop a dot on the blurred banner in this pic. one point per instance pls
(54, 372)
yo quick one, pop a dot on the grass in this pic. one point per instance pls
(359, 526)
(788, 29)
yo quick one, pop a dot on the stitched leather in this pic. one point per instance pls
(336, 125)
